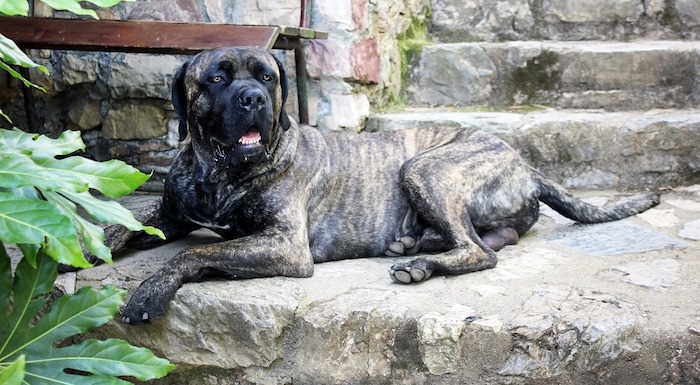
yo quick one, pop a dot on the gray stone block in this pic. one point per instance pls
(583, 149)
(611, 76)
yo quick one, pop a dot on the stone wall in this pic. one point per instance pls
(121, 102)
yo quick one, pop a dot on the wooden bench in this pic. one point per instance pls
(157, 37)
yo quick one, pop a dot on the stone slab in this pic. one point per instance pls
(547, 314)
(498, 20)
(582, 149)
(633, 75)
(613, 238)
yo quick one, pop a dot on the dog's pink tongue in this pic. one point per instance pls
(251, 135)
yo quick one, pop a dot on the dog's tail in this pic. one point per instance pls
(556, 197)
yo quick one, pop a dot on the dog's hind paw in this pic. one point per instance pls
(402, 246)
(410, 272)
(498, 238)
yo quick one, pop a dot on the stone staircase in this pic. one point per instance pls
(612, 303)
(601, 94)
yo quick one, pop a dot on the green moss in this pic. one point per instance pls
(669, 17)
(411, 43)
(540, 74)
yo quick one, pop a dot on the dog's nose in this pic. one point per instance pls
(252, 99)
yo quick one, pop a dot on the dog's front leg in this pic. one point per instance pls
(265, 255)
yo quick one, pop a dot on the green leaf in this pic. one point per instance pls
(73, 314)
(30, 251)
(40, 146)
(11, 54)
(107, 3)
(13, 374)
(24, 220)
(71, 6)
(18, 171)
(93, 235)
(113, 178)
(4, 115)
(100, 357)
(110, 212)
(29, 337)
(29, 291)
(14, 7)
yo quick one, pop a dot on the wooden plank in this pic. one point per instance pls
(133, 36)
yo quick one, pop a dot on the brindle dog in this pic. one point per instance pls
(285, 196)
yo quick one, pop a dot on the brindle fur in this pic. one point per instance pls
(307, 197)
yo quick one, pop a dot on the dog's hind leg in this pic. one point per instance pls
(440, 199)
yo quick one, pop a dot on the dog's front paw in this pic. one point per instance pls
(147, 303)
(417, 270)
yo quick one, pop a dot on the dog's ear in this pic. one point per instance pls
(179, 96)
(284, 119)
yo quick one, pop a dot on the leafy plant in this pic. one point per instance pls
(39, 194)
(31, 331)
(41, 188)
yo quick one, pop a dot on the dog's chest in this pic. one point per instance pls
(225, 210)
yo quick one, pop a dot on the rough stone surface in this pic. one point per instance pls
(583, 149)
(498, 20)
(134, 121)
(153, 74)
(453, 75)
(549, 313)
(609, 75)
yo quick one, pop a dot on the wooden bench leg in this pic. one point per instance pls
(302, 84)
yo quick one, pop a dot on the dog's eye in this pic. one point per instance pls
(267, 78)
(216, 79)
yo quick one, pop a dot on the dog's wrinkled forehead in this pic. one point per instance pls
(241, 62)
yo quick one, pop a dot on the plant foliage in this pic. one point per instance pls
(31, 331)
(41, 189)
(40, 195)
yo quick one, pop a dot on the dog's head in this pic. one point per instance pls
(231, 101)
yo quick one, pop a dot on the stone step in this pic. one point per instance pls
(613, 303)
(499, 20)
(583, 148)
(611, 75)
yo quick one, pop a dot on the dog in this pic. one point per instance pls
(284, 196)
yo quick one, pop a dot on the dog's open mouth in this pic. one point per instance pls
(248, 149)
(251, 136)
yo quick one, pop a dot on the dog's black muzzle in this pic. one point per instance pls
(244, 134)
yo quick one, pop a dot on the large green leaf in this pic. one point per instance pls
(100, 357)
(113, 178)
(110, 212)
(29, 291)
(29, 160)
(24, 220)
(93, 235)
(40, 146)
(19, 170)
(32, 332)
